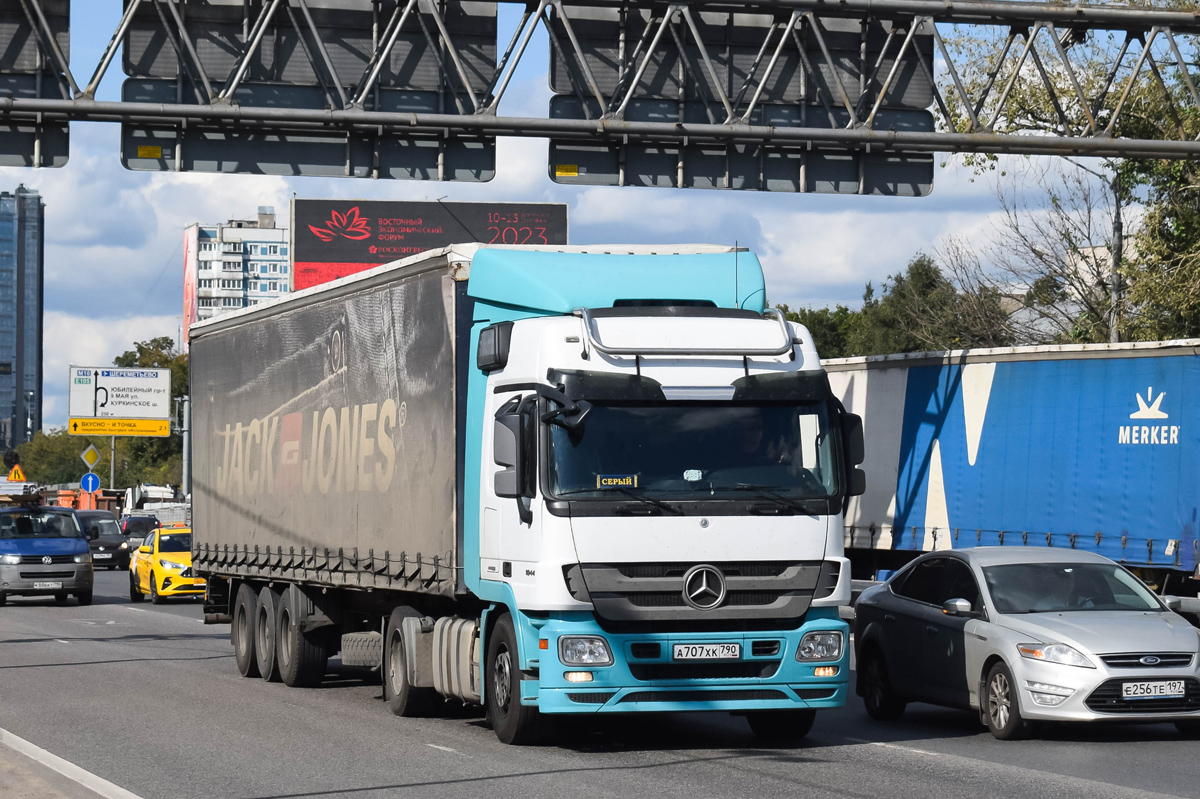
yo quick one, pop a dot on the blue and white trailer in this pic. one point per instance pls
(1093, 447)
(563, 481)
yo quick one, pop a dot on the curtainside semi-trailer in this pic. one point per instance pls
(1082, 446)
(544, 480)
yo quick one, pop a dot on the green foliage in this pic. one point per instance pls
(53, 457)
(831, 328)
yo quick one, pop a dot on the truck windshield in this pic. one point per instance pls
(696, 450)
(1061, 587)
(38, 524)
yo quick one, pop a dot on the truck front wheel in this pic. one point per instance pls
(402, 697)
(781, 726)
(513, 722)
(241, 631)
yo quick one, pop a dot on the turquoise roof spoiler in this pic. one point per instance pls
(558, 283)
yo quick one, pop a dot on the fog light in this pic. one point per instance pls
(825, 671)
(1048, 695)
(578, 676)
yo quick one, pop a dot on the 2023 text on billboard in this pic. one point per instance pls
(1153, 37)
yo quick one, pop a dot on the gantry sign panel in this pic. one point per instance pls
(342, 55)
(30, 36)
(678, 65)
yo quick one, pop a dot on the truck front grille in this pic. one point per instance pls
(30, 560)
(637, 592)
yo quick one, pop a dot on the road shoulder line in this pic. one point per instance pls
(76, 774)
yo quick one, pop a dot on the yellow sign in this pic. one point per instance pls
(566, 171)
(91, 456)
(146, 151)
(16, 475)
(119, 427)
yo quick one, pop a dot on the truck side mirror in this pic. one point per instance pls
(506, 450)
(856, 452)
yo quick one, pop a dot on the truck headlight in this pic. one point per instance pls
(580, 650)
(83, 558)
(1055, 653)
(10, 560)
(820, 646)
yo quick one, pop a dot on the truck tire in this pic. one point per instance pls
(1002, 710)
(135, 593)
(781, 726)
(881, 700)
(84, 597)
(302, 656)
(264, 635)
(403, 699)
(512, 722)
(241, 631)
(3, 600)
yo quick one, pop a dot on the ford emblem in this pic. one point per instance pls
(1150, 660)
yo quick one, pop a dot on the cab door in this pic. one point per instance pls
(144, 559)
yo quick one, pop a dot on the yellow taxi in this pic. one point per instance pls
(162, 567)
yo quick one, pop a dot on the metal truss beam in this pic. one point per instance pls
(975, 102)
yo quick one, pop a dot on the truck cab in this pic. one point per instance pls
(660, 500)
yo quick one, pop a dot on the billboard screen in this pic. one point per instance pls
(336, 238)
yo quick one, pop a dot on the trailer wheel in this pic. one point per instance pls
(513, 722)
(781, 726)
(301, 655)
(264, 635)
(403, 699)
(241, 631)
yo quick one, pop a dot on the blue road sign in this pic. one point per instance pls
(90, 482)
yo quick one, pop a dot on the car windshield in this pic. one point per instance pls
(104, 526)
(696, 450)
(38, 524)
(175, 542)
(1058, 587)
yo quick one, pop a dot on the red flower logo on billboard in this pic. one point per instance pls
(348, 225)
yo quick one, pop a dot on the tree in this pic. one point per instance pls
(830, 328)
(54, 458)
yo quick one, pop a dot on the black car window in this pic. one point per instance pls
(175, 542)
(959, 583)
(923, 581)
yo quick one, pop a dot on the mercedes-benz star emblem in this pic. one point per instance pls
(47, 559)
(704, 587)
(1151, 660)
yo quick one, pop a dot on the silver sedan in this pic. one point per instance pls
(1021, 634)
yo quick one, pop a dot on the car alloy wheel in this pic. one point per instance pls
(999, 704)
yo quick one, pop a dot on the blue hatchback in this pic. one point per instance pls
(43, 553)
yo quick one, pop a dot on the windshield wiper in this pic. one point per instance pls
(658, 503)
(764, 493)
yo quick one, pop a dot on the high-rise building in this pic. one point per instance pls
(235, 265)
(22, 238)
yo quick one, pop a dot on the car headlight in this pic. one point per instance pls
(166, 564)
(579, 650)
(124, 545)
(10, 560)
(1055, 653)
(820, 646)
(83, 558)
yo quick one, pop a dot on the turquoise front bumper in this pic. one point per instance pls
(640, 680)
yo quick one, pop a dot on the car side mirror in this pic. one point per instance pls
(957, 607)
(1173, 603)
(506, 451)
(144, 550)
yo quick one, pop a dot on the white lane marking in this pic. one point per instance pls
(61, 641)
(442, 748)
(66, 768)
(138, 610)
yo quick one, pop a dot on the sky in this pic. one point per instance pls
(114, 267)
